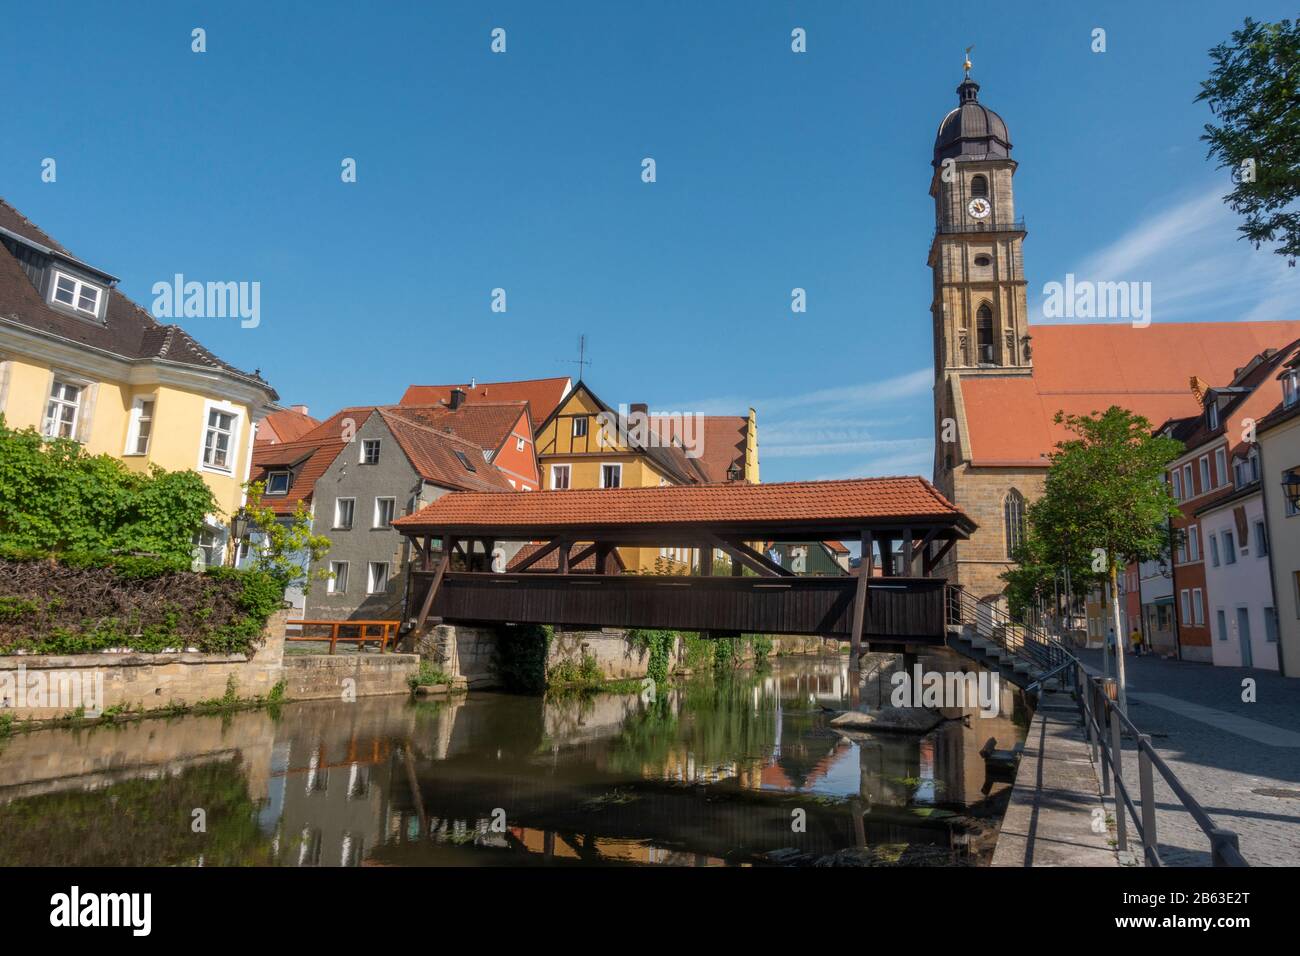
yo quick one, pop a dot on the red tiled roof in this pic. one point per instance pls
(541, 394)
(552, 561)
(836, 546)
(803, 504)
(433, 453)
(1081, 369)
(486, 424)
(285, 425)
(127, 330)
(308, 460)
(722, 443)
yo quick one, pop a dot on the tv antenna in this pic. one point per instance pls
(581, 361)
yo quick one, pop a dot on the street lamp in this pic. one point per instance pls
(238, 530)
(1291, 487)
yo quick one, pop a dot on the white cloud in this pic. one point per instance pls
(1199, 269)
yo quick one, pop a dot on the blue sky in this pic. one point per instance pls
(523, 171)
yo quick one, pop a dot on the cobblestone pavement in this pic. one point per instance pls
(1224, 750)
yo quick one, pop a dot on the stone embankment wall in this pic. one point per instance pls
(49, 686)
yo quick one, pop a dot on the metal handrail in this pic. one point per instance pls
(1106, 724)
(1037, 647)
(1102, 719)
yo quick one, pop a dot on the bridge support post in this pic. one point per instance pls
(860, 600)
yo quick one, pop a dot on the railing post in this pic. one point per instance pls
(1146, 784)
(1116, 753)
(1103, 726)
(334, 636)
(1220, 839)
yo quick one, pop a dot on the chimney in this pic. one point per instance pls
(300, 409)
(457, 398)
(641, 407)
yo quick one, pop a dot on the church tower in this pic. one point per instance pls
(979, 302)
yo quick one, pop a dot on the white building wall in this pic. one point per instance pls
(1244, 585)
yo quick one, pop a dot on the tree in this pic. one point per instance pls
(1038, 565)
(1252, 93)
(1105, 497)
(285, 549)
(56, 498)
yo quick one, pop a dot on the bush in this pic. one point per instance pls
(82, 604)
(56, 498)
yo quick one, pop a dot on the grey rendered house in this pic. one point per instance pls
(392, 466)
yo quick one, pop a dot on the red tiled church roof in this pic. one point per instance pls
(800, 503)
(1080, 369)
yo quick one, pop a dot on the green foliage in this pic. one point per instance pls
(762, 645)
(430, 675)
(218, 611)
(1035, 576)
(577, 674)
(1252, 93)
(659, 644)
(519, 658)
(1105, 504)
(56, 498)
(284, 545)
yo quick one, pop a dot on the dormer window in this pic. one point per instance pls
(277, 483)
(1212, 415)
(1290, 387)
(76, 295)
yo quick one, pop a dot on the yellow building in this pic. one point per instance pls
(80, 360)
(585, 443)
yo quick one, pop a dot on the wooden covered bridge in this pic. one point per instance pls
(905, 524)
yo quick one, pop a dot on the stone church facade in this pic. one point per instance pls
(999, 381)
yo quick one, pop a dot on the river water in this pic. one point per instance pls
(731, 770)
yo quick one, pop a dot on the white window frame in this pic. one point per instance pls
(1177, 484)
(1205, 473)
(332, 586)
(133, 426)
(1194, 543)
(288, 481)
(520, 443)
(78, 406)
(1198, 607)
(568, 477)
(611, 464)
(79, 286)
(366, 443)
(232, 448)
(579, 433)
(1290, 387)
(1214, 549)
(1229, 547)
(336, 526)
(1260, 528)
(1221, 467)
(375, 522)
(1189, 490)
(370, 576)
(1185, 605)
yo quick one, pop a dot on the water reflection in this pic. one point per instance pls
(732, 770)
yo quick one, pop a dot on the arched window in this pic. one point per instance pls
(1013, 517)
(979, 188)
(984, 333)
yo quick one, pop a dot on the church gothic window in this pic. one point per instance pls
(984, 334)
(1013, 516)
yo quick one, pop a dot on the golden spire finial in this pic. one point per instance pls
(967, 64)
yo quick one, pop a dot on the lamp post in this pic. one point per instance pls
(1291, 487)
(239, 522)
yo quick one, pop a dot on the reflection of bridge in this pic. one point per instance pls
(896, 521)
